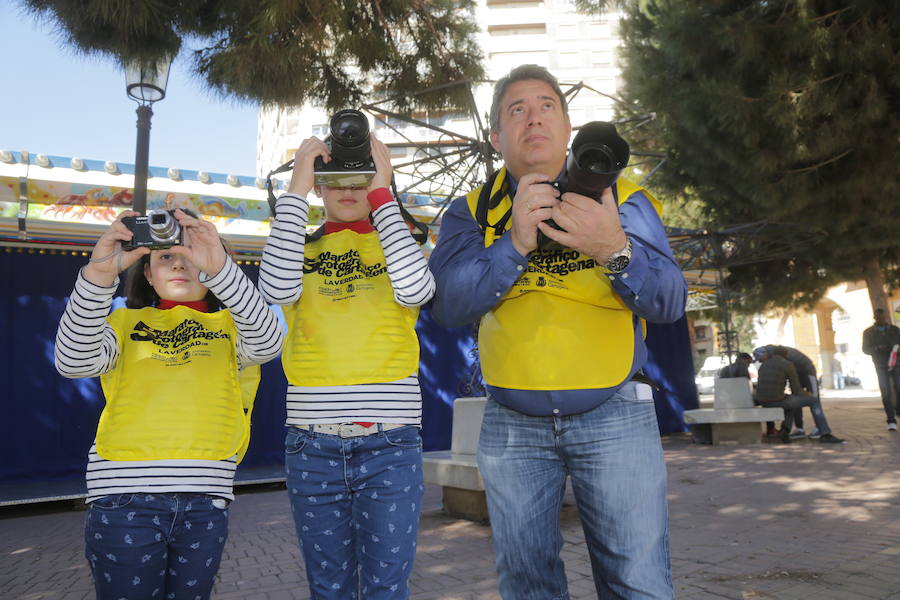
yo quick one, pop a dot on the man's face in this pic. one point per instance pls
(881, 318)
(533, 131)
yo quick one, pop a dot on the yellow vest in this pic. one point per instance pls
(346, 328)
(175, 392)
(561, 326)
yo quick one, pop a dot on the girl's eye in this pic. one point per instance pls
(165, 256)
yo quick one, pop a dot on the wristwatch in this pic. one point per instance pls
(618, 261)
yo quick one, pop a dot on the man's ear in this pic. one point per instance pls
(495, 140)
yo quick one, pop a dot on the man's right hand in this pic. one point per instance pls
(303, 176)
(533, 203)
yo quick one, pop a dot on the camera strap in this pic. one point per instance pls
(269, 188)
(486, 201)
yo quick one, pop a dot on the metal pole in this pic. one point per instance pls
(142, 159)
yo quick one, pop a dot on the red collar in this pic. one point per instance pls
(357, 226)
(199, 305)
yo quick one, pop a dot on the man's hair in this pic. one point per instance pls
(745, 356)
(524, 73)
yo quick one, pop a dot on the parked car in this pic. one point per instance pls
(706, 377)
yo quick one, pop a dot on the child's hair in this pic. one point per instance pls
(138, 291)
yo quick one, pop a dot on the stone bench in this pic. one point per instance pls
(455, 470)
(734, 419)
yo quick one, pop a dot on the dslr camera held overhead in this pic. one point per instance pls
(351, 164)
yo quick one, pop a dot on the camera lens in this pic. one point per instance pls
(598, 159)
(164, 228)
(349, 137)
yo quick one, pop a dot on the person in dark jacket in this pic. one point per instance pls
(878, 342)
(739, 368)
(770, 386)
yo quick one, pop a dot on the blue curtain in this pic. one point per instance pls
(49, 422)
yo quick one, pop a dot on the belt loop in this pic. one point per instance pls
(312, 430)
(380, 428)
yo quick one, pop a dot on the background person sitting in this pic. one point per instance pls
(773, 374)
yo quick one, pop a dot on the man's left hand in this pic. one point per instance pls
(593, 228)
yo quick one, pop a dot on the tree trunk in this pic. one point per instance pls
(875, 283)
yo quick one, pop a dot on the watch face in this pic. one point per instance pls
(617, 263)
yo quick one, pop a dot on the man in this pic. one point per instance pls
(774, 373)
(809, 381)
(878, 342)
(560, 342)
(739, 368)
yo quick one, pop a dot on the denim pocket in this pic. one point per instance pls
(113, 501)
(403, 437)
(295, 440)
(635, 392)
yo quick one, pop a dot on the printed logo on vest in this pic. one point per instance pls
(178, 340)
(342, 273)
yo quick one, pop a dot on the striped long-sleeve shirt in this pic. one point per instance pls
(281, 282)
(86, 346)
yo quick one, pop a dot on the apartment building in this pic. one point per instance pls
(575, 47)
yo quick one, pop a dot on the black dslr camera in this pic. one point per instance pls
(351, 164)
(157, 230)
(594, 162)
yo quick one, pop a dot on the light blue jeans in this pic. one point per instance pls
(614, 457)
(356, 504)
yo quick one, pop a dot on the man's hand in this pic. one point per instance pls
(381, 156)
(108, 259)
(593, 228)
(303, 177)
(533, 203)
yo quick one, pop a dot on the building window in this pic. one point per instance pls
(522, 29)
(701, 332)
(320, 129)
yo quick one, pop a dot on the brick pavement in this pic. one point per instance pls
(772, 521)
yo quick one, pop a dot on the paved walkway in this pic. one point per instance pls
(797, 521)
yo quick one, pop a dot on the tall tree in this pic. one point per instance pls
(785, 111)
(334, 52)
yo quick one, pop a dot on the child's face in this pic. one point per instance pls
(174, 277)
(345, 205)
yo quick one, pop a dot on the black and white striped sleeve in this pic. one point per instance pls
(260, 336)
(86, 345)
(407, 268)
(281, 270)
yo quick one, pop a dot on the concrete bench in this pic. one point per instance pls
(456, 470)
(734, 419)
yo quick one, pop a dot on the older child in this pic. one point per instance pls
(353, 452)
(174, 426)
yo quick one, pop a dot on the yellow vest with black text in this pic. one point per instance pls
(561, 326)
(175, 392)
(346, 328)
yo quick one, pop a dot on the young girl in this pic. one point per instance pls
(353, 452)
(160, 472)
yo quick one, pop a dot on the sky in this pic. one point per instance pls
(56, 102)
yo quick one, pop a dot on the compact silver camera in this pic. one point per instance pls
(157, 230)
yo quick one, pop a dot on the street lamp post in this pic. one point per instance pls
(145, 84)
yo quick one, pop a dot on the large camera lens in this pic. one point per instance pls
(597, 157)
(349, 138)
(164, 228)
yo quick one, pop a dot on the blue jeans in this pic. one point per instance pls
(356, 504)
(165, 546)
(614, 457)
(887, 379)
(795, 402)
